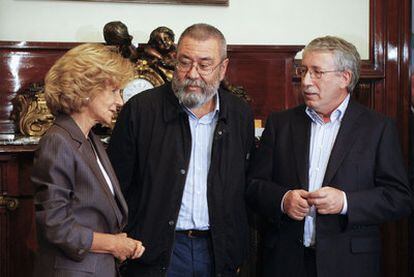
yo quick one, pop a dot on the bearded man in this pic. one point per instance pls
(180, 152)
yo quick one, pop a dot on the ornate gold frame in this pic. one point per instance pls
(144, 71)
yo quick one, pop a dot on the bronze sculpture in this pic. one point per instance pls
(160, 51)
(116, 33)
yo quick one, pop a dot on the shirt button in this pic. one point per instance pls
(182, 171)
(171, 222)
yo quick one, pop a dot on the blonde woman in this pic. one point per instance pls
(80, 210)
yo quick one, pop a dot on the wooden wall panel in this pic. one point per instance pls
(17, 225)
(21, 64)
(266, 73)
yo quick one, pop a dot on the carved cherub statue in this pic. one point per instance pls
(116, 33)
(161, 51)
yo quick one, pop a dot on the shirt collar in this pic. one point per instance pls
(211, 114)
(337, 114)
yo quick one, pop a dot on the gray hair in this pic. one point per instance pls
(345, 53)
(202, 32)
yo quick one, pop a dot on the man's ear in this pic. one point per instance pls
(346, 78)
(223, 68)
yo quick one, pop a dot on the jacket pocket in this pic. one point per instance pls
(88, 264)
(365, 245)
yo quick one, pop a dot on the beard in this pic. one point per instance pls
(192, 99)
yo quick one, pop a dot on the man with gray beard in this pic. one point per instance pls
(180, 152)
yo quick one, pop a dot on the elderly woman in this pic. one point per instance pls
(80, 210)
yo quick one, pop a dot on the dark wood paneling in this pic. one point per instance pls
(17, 226)
(266, 73)
(21, 64)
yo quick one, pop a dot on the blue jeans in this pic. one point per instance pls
(191, 257)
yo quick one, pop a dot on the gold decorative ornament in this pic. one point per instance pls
(11, 203)
(31, 112)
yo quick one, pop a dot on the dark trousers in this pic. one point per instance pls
(310, 262)
(191, 257)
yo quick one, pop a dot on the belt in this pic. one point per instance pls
(194, 233)
(311, 248)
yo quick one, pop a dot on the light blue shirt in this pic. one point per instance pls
(322, 139)
(194, 207)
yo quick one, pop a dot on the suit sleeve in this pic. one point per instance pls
(390, 198)
(122, 147)
(264, 195)
(54, 178)
(250, 146)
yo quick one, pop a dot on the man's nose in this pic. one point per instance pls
(306, 79)
(193, 72)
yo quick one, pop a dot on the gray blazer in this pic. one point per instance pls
(72, 201)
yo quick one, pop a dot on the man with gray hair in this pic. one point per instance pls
(180, 152)
(327, 173)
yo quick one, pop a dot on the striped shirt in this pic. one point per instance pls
(322, 139)
(194, 208)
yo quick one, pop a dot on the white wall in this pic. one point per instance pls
(242, 22)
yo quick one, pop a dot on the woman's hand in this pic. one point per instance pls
(120, 246)
(125, 247)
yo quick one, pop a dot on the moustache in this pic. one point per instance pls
(196, 83)
(310, 90)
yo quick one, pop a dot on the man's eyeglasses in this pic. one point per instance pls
(202, 69)
(314, 73)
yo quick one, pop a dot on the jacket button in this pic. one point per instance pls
(219, 133)
(182, 171)
(163, 268)
(171, 222)
(81, 251)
